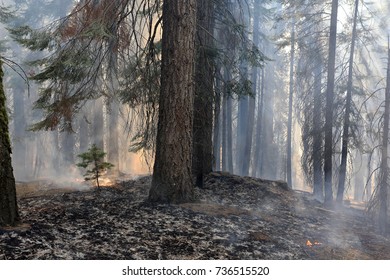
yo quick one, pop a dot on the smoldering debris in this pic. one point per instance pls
(234, 218)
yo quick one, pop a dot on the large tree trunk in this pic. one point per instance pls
(328, 146)
(348, 105)
(204, 93)
(8, 207)
(172, 177)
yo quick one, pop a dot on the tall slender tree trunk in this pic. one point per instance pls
(249, 136)
(242, 122)
(204, 92)
(172, 176)
(384, 168)
(348, 104)
(227, 160)
(68, 145)
(368, 190)
(269, 153)
(290, 108)
(217, 128)
(113, 140)
(56, 163)
(9, 214)
(317, 153)
(359, 176)
(259, 127)
(83, 134)
(19, 142)
(98, 123)
(252, 102)
(224, 135)
(229, 135)
(328, 146)
(243, 105)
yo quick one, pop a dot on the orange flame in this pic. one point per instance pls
(310, 244)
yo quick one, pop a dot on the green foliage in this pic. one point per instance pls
(93, 158)
(33, 39)
(6, 14)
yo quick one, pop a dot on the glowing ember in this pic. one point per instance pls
(311, 244)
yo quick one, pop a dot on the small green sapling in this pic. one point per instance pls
(93, 158)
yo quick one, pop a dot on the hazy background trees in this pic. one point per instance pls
(283, 89)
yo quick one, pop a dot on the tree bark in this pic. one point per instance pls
(172, 176)
(328, 146)
(348, 104)
(8, 206)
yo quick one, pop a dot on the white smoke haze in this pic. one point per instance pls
(45, 155)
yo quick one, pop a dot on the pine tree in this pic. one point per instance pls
(328, 152)
(348, 109)
(94, 158)
(204, 92)
(9, 214)
(172, 174)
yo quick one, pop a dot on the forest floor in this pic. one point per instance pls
(234, 218)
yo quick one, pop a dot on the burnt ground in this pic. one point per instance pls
(235, 218)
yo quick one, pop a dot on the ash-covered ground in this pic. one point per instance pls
(234, 218)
